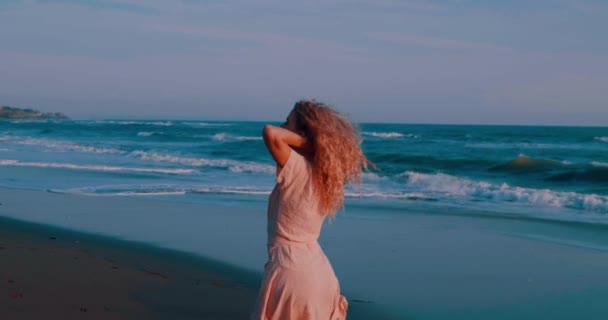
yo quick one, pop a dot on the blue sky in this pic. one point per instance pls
(450, 61)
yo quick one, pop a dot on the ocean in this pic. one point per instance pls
(549, 173)
(459, 222)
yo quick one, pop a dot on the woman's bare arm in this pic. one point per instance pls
(279, 142)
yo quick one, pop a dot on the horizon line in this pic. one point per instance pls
(355, 122)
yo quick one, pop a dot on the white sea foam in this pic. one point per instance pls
(17, 163)
(251, 167)
(34, 121)
(222, 136)
(232, 190)
(121, 122)
(123, 190)
(155, 190)
(172, 193)
(451, 186)
(159, 123)
(68, 146)
(207, 124)
(389, 195)
(599, 164)
(388, 134)
(126, 193)
(525, 145)
(603, 139)
(370, 176)
(147, 133)
(232, 165)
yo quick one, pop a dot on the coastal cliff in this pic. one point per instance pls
(7, 112)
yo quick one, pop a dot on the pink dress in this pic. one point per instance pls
(299, 282)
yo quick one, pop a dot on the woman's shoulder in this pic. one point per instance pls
(297, 166)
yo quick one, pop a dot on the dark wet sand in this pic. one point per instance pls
(51, 273)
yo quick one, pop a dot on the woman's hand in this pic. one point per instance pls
(279, 142)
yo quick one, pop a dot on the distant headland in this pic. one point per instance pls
(7, 112)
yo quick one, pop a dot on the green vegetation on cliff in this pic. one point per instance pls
(7, 112)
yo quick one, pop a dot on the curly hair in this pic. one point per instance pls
(337, 158)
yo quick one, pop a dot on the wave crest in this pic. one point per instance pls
(226, 137)
(148, 133)
(136, 123)
(599, 164)
(232, 165)
(524, 163)
(451, 186)
(104, 168)
(68, 146)
(207, 124)
(388, 135)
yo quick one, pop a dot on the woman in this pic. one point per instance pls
(317, 152)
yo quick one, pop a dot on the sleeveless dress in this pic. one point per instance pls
(299, 282)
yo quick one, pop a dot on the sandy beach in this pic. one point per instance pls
(125, 258)
(142, 258)
(57, 274)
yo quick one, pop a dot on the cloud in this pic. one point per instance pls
(134, 6)
(430, 42)
(219, 33)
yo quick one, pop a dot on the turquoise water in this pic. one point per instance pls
(555, 173)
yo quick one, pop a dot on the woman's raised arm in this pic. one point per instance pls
(279, 142)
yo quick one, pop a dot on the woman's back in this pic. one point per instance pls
(293, 211)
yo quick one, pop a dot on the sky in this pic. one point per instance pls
(450, 61)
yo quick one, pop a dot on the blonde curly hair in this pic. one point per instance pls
(337, 158)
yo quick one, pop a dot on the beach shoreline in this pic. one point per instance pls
(63, 262)
(395, 264)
